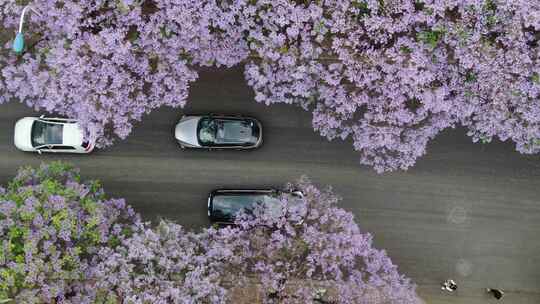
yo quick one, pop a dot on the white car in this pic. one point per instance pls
(57, 135)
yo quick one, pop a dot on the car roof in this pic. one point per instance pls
(224, 211)
(246, 191)
(225, 203)
(49, 133)
(223, 116)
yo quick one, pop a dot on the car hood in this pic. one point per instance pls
(186, 130)
(23, 134)
(72, 135)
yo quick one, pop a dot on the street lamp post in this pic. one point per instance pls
(18, 43)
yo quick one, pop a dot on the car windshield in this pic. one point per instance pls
(46, 133)
(224, 131)
(226, 206)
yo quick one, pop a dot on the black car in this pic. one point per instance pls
(218, 132)
(224, 204)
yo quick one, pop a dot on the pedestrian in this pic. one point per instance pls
(497, 293)
(449, 285)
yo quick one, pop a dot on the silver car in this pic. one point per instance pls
(218, 132)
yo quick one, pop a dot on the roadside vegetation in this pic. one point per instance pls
(62, 240)
(390, 75)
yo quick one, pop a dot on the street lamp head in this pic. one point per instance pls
(18, 43)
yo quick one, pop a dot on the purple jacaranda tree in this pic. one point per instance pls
(312, 250)
(391, 75)
(107, 63)
(493, 63)
(63, 241)
(52, 225)
(165, 264)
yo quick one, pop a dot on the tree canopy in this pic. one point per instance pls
(390, 75)
(64, 241)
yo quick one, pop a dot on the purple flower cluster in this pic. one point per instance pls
(391, 75)
(314, 245)
(161, 265)
(63, 242)
(51, 228)
(107, 63)
(293, 253)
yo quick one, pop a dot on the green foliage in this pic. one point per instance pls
(470, 77)
(132, 34)
(491, 20)
(405, 49)
(49, 205)
(184, 56)
(490, 5)
(490, 10)
(59, 168)
(166, 33)
(485, 139)
(463, 34)
(22, 2)
(362, 6)
(535, 78)
(517, 93)
(67, 44)
(122, 7)
(430, 37)
(320, 27)
(106, 298)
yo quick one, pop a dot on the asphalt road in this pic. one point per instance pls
(466, 211)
